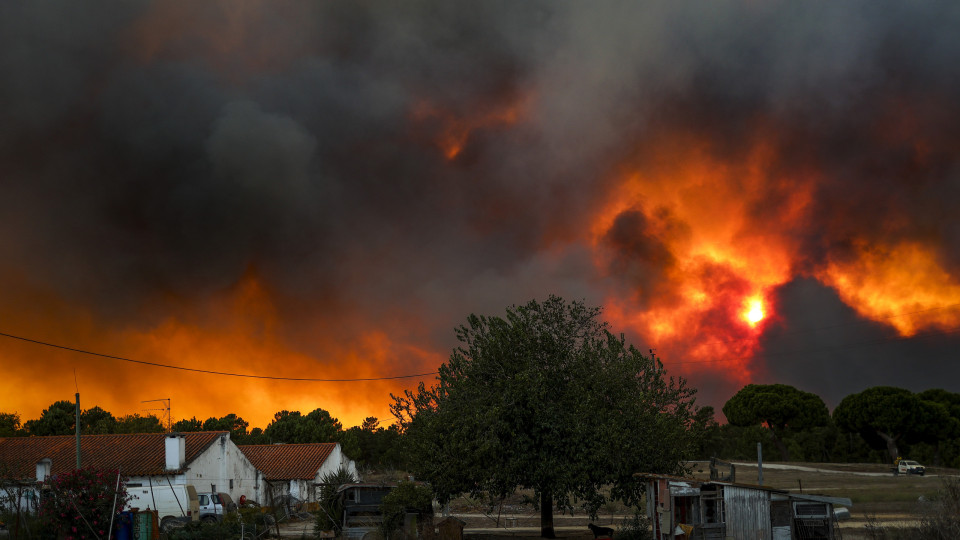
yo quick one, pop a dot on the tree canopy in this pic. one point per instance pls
(318, 426)
(58, 419)
(883, 415)
(546, 398)
(9, 424)
(778, 407)
(97, 421)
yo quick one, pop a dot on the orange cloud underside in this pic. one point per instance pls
(695, 317)
(244, 340)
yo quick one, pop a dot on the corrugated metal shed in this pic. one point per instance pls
(710, 510)
(748, 512)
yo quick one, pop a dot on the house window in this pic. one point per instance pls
(213, 488)
(231, 483)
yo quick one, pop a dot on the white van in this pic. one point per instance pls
(176, 504)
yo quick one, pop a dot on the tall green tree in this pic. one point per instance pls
(777, 407)
(318, 426)
(96, 421)
(883, 415)
(546, 398)
(188, 425)
(9, 425)
(371, 445)
(59, 418)
(236, 425)
(943, 434)
(134, 423)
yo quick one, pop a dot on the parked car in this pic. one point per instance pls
(213, 506)
(906, 466)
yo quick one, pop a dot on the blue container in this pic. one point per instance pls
(125, 526)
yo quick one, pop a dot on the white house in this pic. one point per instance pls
(294, 469)
(208, 460)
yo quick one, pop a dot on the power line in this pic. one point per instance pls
(209, 372)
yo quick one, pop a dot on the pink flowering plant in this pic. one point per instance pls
(80, 503)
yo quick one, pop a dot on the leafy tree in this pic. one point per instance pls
(188, 426)
(257, 436)
(97, 421)
(711, 441)
(883, 415)
(134, 423)
(370, 424)
(942, 433)
(82, 502)
(292, 427)
(58, 419)
(950, 400)
(778, 407)
(236, 425)
(10, 425)
(546, 399)
(371, 445)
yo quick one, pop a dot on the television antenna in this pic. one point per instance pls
(167, 409)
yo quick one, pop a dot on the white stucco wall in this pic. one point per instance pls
(336, 460)
(220, 463)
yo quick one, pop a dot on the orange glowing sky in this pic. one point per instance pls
(326, 191)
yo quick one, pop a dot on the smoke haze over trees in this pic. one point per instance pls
(323, 189)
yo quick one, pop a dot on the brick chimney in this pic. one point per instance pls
(175, 451)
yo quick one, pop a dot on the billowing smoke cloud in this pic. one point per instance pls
(326, 190)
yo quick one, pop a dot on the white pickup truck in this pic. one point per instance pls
(906, 466)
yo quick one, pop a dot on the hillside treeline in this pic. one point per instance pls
(874, 426)
(369, 444)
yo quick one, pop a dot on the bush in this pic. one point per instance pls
(206, 531)
(406, 497)
(941, 517)
(635, 528)
(330, 514)
(81, 503)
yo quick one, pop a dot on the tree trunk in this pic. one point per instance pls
(546, 515)
(891, 445)
(784, 453)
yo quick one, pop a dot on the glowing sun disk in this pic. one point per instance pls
(754, 313)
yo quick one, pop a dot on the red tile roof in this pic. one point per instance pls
(138, 454)
(288, 461)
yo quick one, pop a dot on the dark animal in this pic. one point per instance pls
(601, 532)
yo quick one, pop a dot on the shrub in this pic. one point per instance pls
(635, 528)
(406, 497)
(330, 514)
(81, 503)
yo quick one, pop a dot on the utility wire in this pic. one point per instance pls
(246, 375)
(411, 376)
